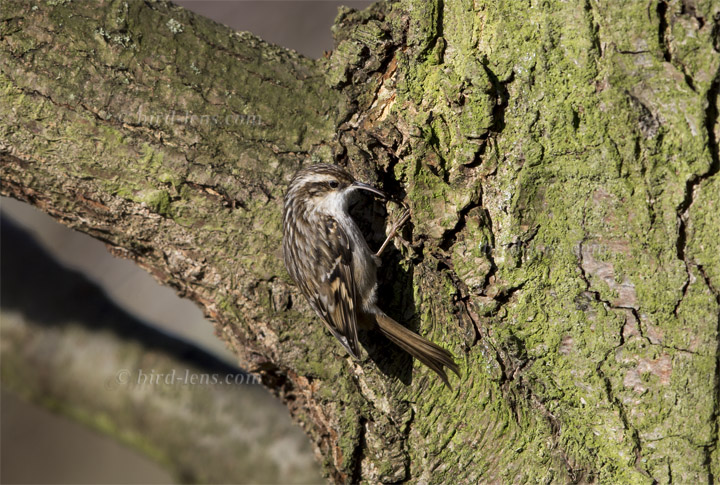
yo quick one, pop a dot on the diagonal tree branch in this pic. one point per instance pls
(170, 138)
(71, 349)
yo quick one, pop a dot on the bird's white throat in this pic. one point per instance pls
(335, 203)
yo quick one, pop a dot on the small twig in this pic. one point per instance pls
(394, 231)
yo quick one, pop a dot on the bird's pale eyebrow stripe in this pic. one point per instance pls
(317, 177)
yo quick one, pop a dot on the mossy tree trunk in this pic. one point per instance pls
(561, 164)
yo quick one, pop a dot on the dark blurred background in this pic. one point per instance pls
(37, 446)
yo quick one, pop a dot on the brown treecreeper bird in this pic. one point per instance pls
(328, 257)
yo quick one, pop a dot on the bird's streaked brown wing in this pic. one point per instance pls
(332, 292)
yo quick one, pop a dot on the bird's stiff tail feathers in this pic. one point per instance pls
(428, 353)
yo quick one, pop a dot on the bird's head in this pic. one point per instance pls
(325, 187)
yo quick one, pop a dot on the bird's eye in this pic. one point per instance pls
(334, 184)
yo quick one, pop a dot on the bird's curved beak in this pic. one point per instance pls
(369, 188)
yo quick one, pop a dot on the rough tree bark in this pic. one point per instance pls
(560, 162)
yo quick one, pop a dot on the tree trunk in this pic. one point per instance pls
(560, 163)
